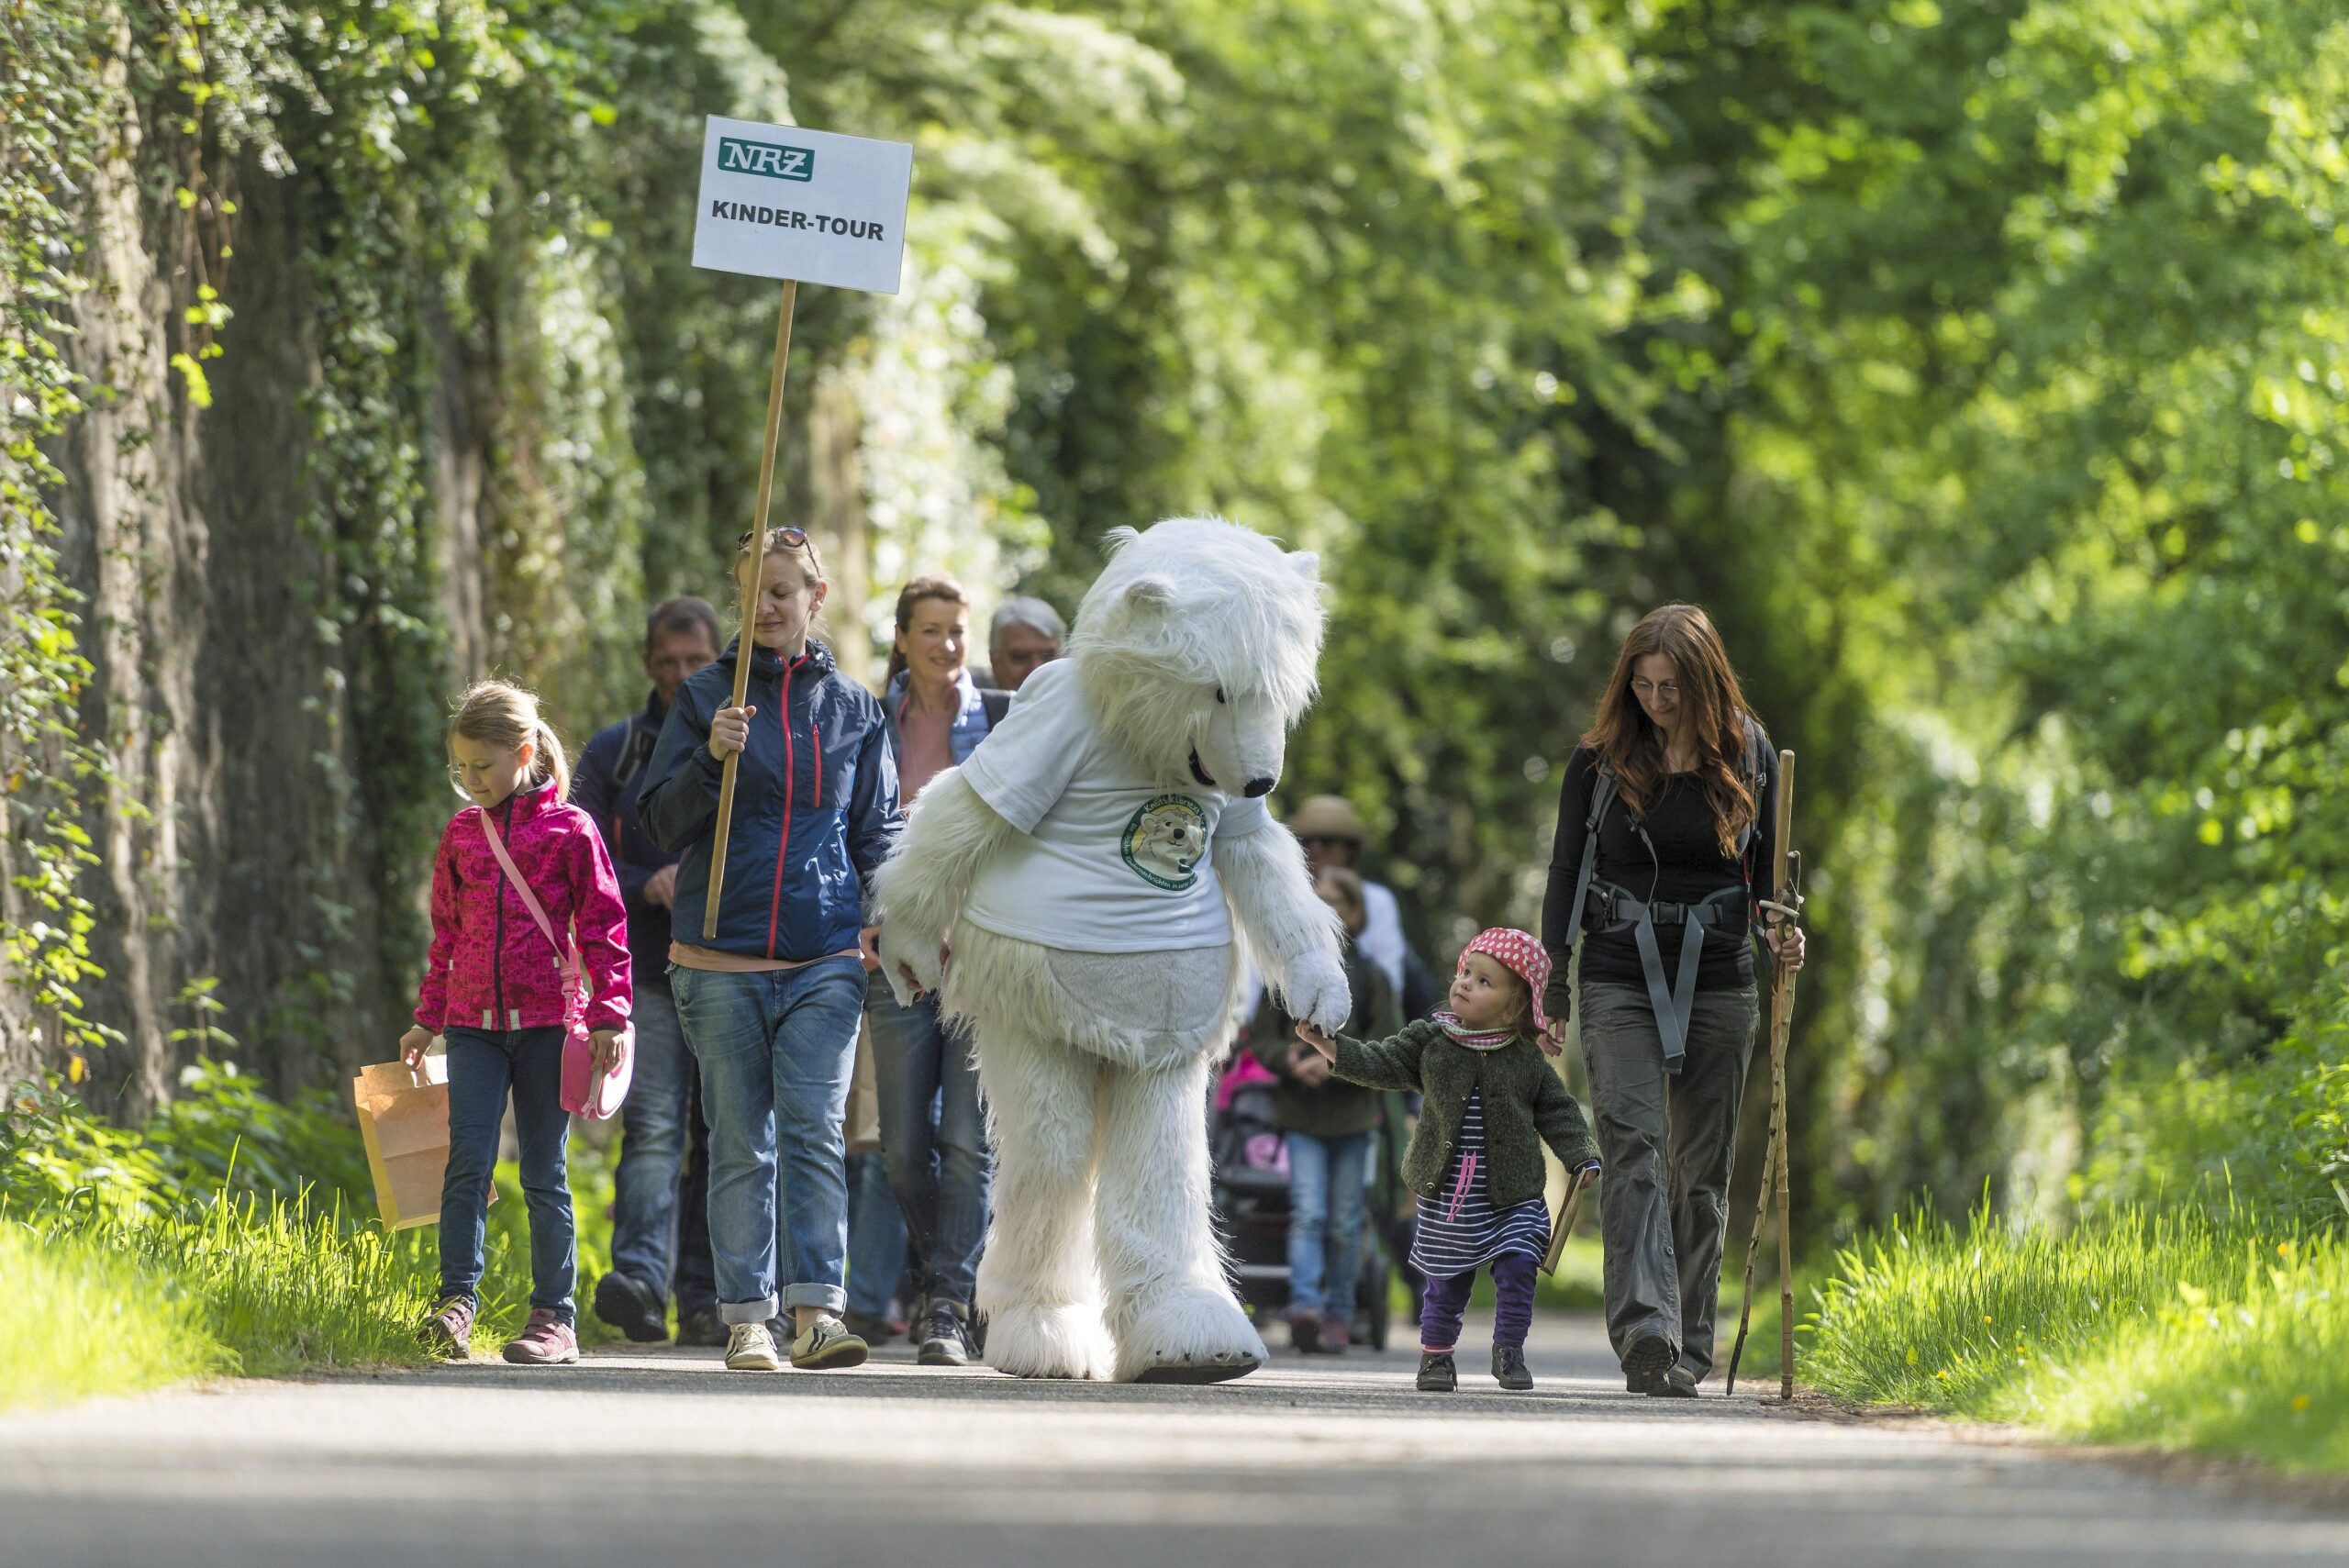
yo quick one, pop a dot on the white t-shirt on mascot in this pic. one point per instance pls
(1109, 861)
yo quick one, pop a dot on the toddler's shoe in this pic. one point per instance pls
(449, 1332)
(1335, 1337)
(827, 1343)
(1508, 1368)
(548, 1339)
(1437, 1373)
(1305, 1331)
(750, 1347)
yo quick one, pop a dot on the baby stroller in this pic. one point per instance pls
(1251, 1194)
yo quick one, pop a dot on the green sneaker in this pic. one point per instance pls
(827, 1343)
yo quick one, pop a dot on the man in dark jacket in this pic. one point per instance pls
(652, 1251)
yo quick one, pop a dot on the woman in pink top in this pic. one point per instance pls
(934, 1132)
(493, 988)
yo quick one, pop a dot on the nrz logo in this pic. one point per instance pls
(736, 156)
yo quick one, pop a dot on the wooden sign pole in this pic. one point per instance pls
(746, 572)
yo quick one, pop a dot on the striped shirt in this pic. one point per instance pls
(1460, 1231)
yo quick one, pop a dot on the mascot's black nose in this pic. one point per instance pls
(1258, 788)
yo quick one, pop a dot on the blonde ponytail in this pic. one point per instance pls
(497, 714)
(552, 763)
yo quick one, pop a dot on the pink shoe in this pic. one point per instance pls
(548, 1340)
(449, 1332)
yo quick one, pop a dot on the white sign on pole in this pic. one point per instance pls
(781, 201)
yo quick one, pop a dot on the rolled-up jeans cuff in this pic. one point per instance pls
(733, 1312)
(824, 1298)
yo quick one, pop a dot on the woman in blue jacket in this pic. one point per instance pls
(770, 1006)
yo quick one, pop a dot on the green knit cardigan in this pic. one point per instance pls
(1525, 1106)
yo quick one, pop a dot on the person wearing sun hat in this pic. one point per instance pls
(1490, 1103)
(1333, 833)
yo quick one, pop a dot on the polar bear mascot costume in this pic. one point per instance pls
(1079, 891)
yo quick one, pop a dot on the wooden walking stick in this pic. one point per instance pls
(745, 572)
(1786, 900)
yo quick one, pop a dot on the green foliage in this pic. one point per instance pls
(2176, 1330)
(1981, 364)
(49, 130)
(220, 1133)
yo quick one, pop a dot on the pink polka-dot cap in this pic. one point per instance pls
(1522, 954)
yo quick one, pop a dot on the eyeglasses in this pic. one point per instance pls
(1313, 840)
(788, 537)
(1664, 689)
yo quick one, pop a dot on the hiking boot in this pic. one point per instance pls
(449, 1332)
(1644, 1364)
(1508, 1368)
(946, 1337)
(632, 1306)
(826, 1344)
(1437, 1373)
(1305, 1331)
(750, 1347)
(701, 1326)
(548, 1339)
(1675, 1382)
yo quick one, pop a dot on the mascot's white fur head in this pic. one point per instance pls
(1196, 646)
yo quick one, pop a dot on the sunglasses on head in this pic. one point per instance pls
(785, 537)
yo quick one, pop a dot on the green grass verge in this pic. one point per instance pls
(80, 1318)
(2173, 1330)
(251, 1286)
(105, 1299)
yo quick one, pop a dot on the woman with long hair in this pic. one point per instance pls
(1665, 840)
(934, 1128)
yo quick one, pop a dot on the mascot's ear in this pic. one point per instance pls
(1150, 593)
(1306, 563)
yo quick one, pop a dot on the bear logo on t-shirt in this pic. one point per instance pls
(1163, 840)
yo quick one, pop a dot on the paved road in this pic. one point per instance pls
(663, 1458)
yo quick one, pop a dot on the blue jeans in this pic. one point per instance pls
(776, 1051)
(876, 1236)
(1325, 1205)
(652, 1144)
(939, 1162)
(696, 1276)
(485, 1065)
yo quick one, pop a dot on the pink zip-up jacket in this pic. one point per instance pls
(490, 968)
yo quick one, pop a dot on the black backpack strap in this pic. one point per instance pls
(1602, 794)
(996, 703)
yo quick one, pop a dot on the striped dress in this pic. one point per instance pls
(1460, 1231)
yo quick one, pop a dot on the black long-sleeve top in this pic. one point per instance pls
(1687, 865)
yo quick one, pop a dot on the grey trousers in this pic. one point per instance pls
(1666, 1141)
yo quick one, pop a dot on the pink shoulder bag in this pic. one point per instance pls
(585, 1092)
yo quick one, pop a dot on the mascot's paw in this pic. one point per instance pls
(1185, 1334)
(1049, 1342)
(1317, 992)
(902, 950)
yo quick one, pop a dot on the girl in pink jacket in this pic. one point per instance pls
(493, 989)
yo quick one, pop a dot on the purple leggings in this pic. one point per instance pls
(1512, 1305)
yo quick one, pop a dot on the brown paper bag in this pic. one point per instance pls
(403, 1120)
(863, 1125)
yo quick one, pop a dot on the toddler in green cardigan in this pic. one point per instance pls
(1489, 1102)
